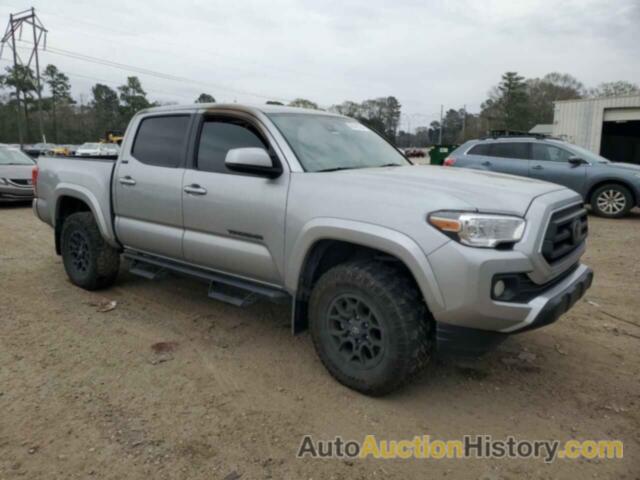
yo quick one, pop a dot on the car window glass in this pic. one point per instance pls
(161, 141)
(482, 149)
(218, 137)
(549, 153)
(509, 150)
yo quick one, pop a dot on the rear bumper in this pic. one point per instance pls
(453, 339)
(16, 194)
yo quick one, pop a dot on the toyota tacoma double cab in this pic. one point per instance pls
(386, 263)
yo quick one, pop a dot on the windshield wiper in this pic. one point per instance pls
(389, 165)
(336, 169)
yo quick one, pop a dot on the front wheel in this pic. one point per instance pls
(612, 201)
(370, 326)
(88, 260)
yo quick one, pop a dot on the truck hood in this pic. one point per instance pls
(470, 189)
(16, 172)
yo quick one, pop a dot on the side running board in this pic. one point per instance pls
(226, 288)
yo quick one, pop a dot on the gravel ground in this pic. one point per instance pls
(229, 393)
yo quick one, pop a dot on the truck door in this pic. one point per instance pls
(147, 191)
(234, 222)
(551, 163)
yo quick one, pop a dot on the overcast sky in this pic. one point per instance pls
(426, 53)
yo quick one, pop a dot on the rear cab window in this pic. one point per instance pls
(161, 140)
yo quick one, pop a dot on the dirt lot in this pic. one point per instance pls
(83, 394)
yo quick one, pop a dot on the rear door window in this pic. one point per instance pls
(517, 150)
(161, 140)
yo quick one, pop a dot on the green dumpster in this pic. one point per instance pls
(438, 153)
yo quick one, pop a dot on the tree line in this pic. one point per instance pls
(515, 103)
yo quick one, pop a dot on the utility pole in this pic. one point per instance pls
(464, 122)
(16, 24)
(441, 126)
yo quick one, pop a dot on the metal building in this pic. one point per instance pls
(607, 126)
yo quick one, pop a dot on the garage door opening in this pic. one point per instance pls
(621, 141)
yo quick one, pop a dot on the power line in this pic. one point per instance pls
(117, 84)
(152, 73)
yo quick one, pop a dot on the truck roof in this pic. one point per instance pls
(208, 107)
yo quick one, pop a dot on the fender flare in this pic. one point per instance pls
(85, 195)
(369, 235)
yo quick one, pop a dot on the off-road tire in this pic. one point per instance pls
(407, 324)
(99, 263)
(613, 191)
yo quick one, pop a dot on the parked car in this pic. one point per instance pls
(612, 189)
(414, 153)
(15, 175)
(89, 150)
(34, 151)
(60, 150)
(110, 149)
(385, 262)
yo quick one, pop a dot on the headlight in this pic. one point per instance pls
(478, 229)
(3, 181)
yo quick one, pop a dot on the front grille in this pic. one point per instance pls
(567, 230)
(20, 181)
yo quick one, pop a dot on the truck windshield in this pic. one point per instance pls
(13, 156)
(327, 143)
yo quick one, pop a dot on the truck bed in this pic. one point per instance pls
(86, 177)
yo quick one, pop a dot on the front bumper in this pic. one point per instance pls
(453, 339)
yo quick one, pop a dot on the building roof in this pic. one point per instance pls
(542, 129)
(595, 99)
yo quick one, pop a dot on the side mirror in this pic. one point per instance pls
(576, 161)
(252, 160)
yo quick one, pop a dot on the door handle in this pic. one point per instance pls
(195, 189)
(486, 164)
(537, 167)
(127, 180)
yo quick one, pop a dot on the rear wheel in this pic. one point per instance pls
(370, 326)
(88, 260)
(612, 201)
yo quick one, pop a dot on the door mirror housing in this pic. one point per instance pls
(576, 161)
(252, 160)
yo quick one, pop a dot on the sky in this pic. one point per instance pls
(426, 53)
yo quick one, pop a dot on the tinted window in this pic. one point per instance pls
(510, 150)
(479, 150)
(220, 136)
(549, 153)
(161, 140)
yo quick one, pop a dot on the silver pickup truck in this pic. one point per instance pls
(385, 262)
